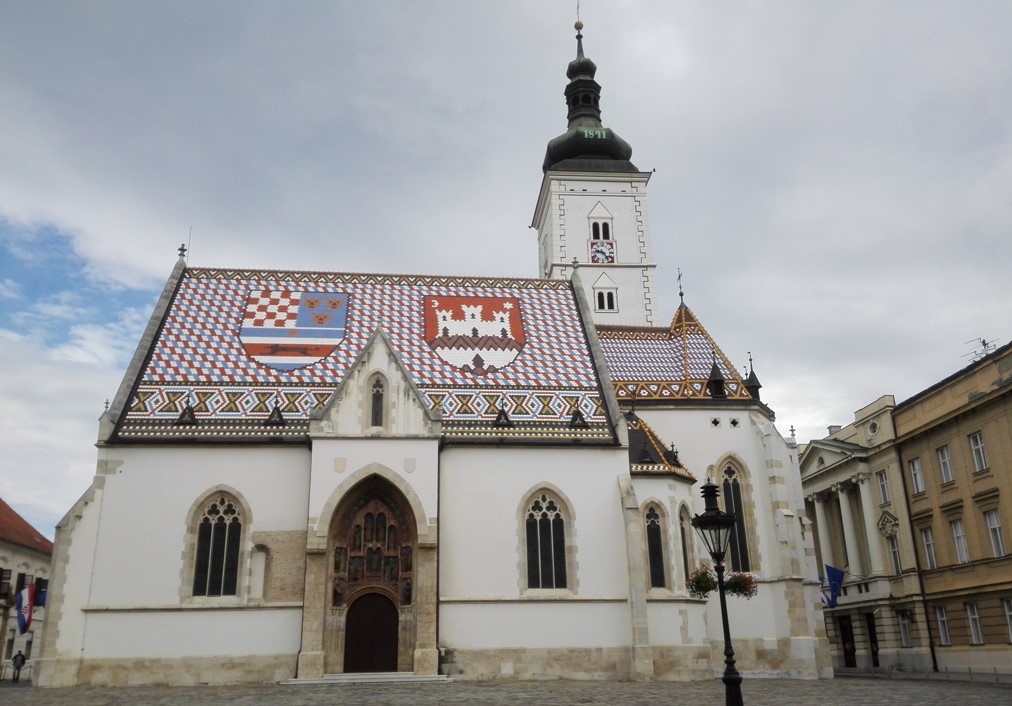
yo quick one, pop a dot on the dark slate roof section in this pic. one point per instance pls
(666, 364)
(14, 529)
(235, 344)
(648, 454)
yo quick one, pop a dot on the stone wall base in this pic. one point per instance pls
(184, 671)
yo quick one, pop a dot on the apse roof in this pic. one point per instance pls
(250, 354)
(667, 363)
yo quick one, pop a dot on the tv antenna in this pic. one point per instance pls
(982, 347)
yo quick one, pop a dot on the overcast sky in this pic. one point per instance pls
(834, 179)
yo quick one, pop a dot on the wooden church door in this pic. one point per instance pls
(371, 635)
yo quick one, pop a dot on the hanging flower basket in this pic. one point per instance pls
(702, 581)
(741, 584)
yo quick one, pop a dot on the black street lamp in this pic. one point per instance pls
(714, 528)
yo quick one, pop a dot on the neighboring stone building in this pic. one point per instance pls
(307, 473)
(954, 440)
(24, 559)
(912, 500)
(854, 490)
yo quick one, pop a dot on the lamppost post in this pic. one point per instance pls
(714, 528)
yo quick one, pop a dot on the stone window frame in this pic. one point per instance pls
(746, 491)
(928, 542)
(664, 537)
(189, 553)
(994, 532)
(883, 487)
(370, 400)
(568, 514)
(893, 543)
(960, 547)
(916, 476)
(1006, 603)
(904, 619)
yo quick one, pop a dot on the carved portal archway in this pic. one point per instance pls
(372, 550)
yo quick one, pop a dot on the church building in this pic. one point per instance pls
(315, 473)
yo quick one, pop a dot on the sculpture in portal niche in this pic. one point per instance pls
(369, 524)
(373, 561)
(406, 560)
(356, 539)
(405, 591)
(392, 538)
(340, 560)
(340, 589)
(355, 569)
(390, 572)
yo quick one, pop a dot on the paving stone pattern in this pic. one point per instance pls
(757, 692)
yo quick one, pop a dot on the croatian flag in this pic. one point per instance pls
(23, 603)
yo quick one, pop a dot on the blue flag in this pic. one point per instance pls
(834, 577)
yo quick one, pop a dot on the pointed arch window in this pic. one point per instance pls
(377, 392)
(655, 548)
(738, 547)
(219, 541)
(545, 529)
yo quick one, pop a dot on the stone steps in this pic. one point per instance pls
(374, 678)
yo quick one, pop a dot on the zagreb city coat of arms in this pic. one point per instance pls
(478, 335)
(285, 329)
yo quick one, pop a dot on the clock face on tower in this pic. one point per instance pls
(602, 252)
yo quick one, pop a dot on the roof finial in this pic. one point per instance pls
(182, 250)
(578, 25)
(750, 369)
(681, 294)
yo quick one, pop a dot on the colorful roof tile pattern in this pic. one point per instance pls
(235, 345)
(647, 454)
(666, 363)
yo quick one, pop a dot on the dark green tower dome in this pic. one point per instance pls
(587, 146)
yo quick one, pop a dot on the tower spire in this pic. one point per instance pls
(587, 145)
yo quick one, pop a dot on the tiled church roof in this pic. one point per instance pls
(673, 363)
(233, 345)
(648, 455)
(16, 530)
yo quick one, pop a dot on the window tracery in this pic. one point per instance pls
(545, 529)
(655, 548)
(219, 541)
(737, 549)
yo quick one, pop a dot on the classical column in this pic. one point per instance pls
(822, 531)
(863, 481)
(853, 550)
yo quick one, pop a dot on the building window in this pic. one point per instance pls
(738, 547)
(994, 531)
(959, 538)
(904, 617)
(883, 486)
(219, 539)
(928, 539)
(1007, 604)
(655, 548)
(546, 543)
(977, 447)
(5, 581)
(376, 410)
(22, 581)
(916, 475)
(606, 300)
(976, 634)
(600, 230)
(945, 464)
(894, 553)
(9, 650)
(943, 625)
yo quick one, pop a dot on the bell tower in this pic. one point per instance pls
(591, 215)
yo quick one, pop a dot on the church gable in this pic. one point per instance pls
(376, 398)
(236, 345)
(654, 363)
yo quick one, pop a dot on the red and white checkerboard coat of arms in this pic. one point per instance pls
(477, 335)
(285, 329)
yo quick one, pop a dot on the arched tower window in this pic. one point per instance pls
(376, 409)
(545, 529)
(738, 547)
(655, 547)
(219, 541)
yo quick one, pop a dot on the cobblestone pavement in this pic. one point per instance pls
(757, 692)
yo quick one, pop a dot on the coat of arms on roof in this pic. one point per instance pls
(286, 329)
(477, 335)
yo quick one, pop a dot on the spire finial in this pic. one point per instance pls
(681, 293)
(182, 250)
(750, 368)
